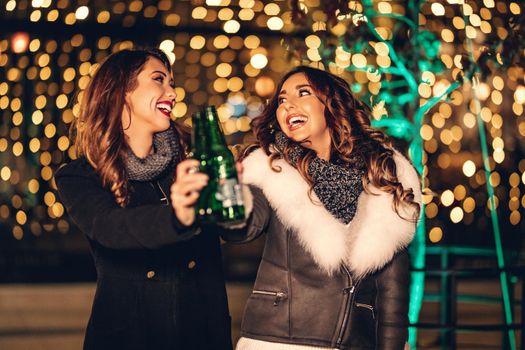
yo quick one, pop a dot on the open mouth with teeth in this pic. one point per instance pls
(296, 121)
(164, 107)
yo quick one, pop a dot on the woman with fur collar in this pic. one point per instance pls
(339, 206)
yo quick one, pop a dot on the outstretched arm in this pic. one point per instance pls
(258, 218)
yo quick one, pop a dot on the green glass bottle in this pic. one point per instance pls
(221, 201)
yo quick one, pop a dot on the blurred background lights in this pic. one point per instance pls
(197, 42)
(232, 26)
(272, 9)
(275, 23)
(314, 42)
(456, 215)
(469, 168)
(259, 61)
(447, 198)
(10, 5)
(19, 42)
(436, 234)
(82, 12)
(264, 86)
(246, 14)
(167, 45)
(199, 12)
(438, 9)
(226, 14)
(519, 94)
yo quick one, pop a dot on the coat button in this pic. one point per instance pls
(150, 274)
(191, 264)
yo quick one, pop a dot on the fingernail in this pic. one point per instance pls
(193, 170)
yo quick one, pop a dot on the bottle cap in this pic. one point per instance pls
(210, 109)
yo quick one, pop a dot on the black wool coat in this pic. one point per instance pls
(160, 284)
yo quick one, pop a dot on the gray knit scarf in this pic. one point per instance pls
(337, 184)
(165, 153)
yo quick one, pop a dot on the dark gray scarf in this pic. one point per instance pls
(165, 153)
(337, 184)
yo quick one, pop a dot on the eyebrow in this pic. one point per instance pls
(283, 92)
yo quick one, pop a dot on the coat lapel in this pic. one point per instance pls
(365, 245)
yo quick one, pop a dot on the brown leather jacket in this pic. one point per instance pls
(295, 302)
(320, 282)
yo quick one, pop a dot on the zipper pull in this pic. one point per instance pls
(349, 290)
(164, 200)
(278, 297)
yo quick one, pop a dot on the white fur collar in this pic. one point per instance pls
(365, 245)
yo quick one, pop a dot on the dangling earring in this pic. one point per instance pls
(271, 126)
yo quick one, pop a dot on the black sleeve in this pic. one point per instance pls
(94, 210)
(257, 220)
(392, 301)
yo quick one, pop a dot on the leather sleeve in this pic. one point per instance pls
(256, 222)
(94, 210)
(392, 301)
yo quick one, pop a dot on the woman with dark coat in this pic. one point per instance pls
(159, 277)
(339, 206)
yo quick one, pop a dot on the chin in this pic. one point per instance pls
(298, 137)
(164, 126)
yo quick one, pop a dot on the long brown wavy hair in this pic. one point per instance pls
(352, 136)
(98, 131)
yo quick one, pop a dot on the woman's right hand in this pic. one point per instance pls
(186, 189)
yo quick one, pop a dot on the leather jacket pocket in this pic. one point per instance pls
(266, 312)
(277, 296)
(368, 307)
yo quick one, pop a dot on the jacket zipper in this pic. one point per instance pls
(279, 296)
(349, 292)
(367, 306)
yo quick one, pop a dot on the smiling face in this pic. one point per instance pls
(148, 106)
(300, 114)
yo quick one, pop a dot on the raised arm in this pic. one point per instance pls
(96, 213)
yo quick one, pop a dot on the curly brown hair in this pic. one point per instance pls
(98, 132)
(352, 136)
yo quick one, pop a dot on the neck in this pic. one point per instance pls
(323, 154)
(321, 147)
(140, 142)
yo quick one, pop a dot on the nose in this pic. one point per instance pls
(170, 92)
(288, 104)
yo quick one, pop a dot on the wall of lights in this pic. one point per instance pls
(44, 75)
(230, 54)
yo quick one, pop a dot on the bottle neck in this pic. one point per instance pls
(199, 137)
(216, 137)
(207, 136)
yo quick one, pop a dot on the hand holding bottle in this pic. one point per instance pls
(186, 189)
(221, 201)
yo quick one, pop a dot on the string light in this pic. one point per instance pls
(210, 67)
